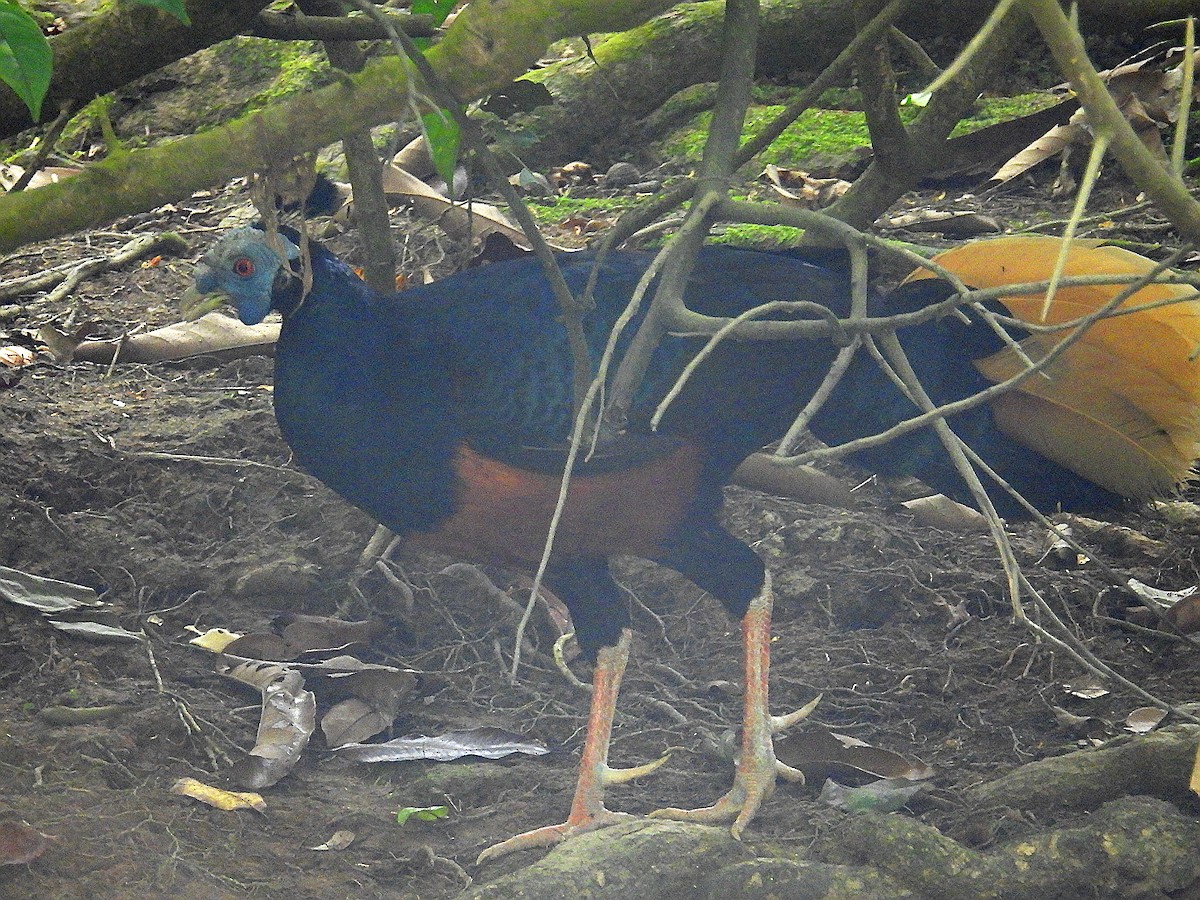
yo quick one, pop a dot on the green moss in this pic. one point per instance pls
(88, 118)
(993, 110)
(550, 210)
(229, 78)
(633, 43)
(830, 133)
(215, 86)
(841, 98)
(297, 66)
(823, 131)
(759, 237)
(691, 100)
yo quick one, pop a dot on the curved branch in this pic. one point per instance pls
(489, 44)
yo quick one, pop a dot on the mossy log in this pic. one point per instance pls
(489, 44)
(599, 103)
(121, 43)
(1111, 840)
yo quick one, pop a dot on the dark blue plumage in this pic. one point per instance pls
(416, 406)
(443, 411)
(482, 357)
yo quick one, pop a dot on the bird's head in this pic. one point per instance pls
(245, 269)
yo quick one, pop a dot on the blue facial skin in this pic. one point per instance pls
(243, 271)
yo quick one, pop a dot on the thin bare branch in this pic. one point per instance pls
(1091, 174)
(1188, 72)
(641, 217)
(955, 448)
(719, 162)
(977, 43)
(571, 308)
(1078, 327)
(1066, 44)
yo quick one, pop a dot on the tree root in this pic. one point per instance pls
(1128, 845)
(1158, 764)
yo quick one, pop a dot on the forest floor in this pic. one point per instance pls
(904, 630)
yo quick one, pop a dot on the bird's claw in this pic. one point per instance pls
(752, 787)
(780, 724)
(549, 835)
(632, 773)
(590, 816)
(754, 781)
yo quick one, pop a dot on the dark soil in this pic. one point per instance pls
(863, 618)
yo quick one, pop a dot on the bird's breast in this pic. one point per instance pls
(503, 513)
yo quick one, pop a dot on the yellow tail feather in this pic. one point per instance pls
(1121, 407)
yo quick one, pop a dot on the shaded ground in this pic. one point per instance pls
(863, 618)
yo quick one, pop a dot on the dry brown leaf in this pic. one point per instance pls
(20, 844)
(214, 640)
(489, 743)
(299, 635)
(46, 595)
(939, 511)
(414, 158)
(979, 152)
(311, 634)
(796, 482)
(268, 647)
(798, 188)
(289, 716)
(217, 797)
(215, 334)
(15, 356)
(1071, 721)
(1185, 615)
(384, 689)
(10, 174)
(474, 222)
(1086, 688)
(1146, 92)
(1144, 719)
(352, 721)
(884, 795)
(1049, 145)
(339, 840)
(98, 632)
(948, 222)
(821, 753)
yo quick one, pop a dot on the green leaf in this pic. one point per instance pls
(176, 8)
(443, 137)
(422, 813)
(25, 57)
(920, 99)
(439, 9)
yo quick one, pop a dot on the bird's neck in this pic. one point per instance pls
(363, 402)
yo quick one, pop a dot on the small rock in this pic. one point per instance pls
(621, 174)
(289, 577)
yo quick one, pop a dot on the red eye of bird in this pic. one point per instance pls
(244, 267)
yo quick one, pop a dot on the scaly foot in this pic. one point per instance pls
(587, 814)
(754, 781)
(587, 808)
(757, 766)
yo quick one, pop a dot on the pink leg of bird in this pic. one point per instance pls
(757, 767)
(587, 809)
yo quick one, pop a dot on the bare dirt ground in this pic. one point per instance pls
(863, 618)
